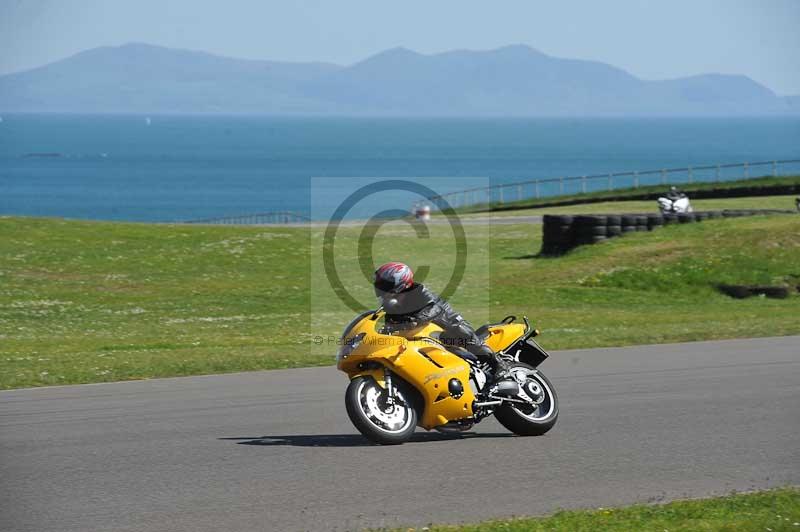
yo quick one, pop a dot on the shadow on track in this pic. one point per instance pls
(352, 440)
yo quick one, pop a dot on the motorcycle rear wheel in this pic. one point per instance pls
(526, 420)
(379, 422)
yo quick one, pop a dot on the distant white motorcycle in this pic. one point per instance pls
(675, 202)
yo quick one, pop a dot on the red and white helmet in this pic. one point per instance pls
(393, 277)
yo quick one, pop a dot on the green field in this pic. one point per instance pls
(91, 302)
(776, 511)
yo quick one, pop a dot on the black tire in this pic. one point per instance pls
(613, 219)
(629, 219)
(628, 229)
(654, 220)
(594, 230)
(686, 218)
(559, 240)
(641, 227)
(557, 230)
(614, 230)
(590, 239)
(588, 220)
(522, 424)
(557, 219)
(360, 393)
(670, 219)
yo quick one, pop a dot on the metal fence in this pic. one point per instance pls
(264, 218)
(560, 186)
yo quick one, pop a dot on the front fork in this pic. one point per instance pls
(383, 376)
(387, 380)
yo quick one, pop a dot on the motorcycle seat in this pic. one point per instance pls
(483, 330)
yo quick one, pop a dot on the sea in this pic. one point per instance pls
(182, 168)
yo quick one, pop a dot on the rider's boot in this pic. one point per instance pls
(498, 363)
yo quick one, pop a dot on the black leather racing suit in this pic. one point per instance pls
(420, 305)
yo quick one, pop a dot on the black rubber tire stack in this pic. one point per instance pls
(590, 229)
(561, 233)
(614, 227)
(628, 223)
(557, 234)
(654, 221)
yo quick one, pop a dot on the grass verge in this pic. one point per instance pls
(773, 511)
(92, 301)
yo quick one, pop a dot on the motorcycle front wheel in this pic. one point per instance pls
(369, 410)
(531, 419)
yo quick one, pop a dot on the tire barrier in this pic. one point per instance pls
(561, 233)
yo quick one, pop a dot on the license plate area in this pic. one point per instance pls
(527, 351)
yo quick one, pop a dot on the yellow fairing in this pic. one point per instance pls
(423, 363)
(502, 336)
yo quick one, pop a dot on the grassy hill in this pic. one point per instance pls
(90, 302)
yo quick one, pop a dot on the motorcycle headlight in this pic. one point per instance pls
(349, 345)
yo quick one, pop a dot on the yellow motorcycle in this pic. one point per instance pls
(403, 376)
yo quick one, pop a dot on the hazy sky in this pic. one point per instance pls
(652, 40)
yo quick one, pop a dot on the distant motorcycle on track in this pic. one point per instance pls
(675, 202)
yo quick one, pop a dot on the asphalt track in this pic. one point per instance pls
(275, 450)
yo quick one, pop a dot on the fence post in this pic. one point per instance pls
(663, 176)
(635, 179)
(774, 169)
(519, 192)
(488, 195)
(610, 181)
(583, 184)
(536, 188)
(690, 174)
(716, 179)
(561, 185)
(746, 171)
(501, 193)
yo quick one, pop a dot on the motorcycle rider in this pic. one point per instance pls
(675, 194)
(407, 302)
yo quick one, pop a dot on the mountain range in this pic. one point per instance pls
(510, 81)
